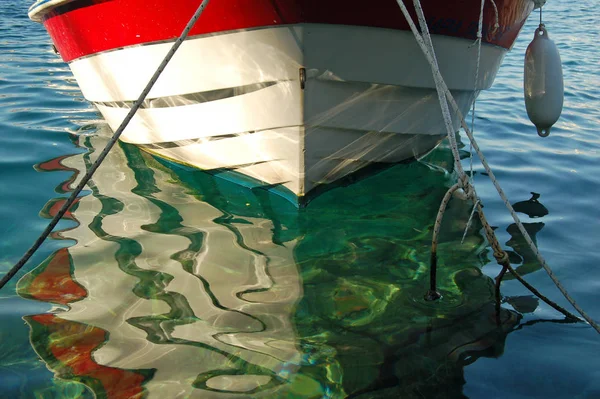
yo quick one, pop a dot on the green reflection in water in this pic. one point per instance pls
(192, 284)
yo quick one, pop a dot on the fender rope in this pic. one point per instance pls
(11, 273)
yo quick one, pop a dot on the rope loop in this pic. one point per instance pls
(502, 257)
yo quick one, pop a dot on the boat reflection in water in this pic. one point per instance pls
(182, 284)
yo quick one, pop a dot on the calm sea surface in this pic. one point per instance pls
(175, 283)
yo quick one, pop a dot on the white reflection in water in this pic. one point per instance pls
(219, 306)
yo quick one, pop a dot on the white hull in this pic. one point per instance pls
(295, 106)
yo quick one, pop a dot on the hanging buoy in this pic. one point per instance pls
(544, 87)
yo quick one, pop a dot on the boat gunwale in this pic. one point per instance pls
(41, 7)
(136, 33)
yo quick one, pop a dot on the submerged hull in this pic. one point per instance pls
(294, 94)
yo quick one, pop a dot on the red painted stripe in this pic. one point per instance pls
(101, 25)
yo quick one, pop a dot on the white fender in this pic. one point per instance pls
(543, 86)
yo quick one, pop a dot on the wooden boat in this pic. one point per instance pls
(292, 94)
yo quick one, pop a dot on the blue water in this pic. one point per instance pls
(176, 278)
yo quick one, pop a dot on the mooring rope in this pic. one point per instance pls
(475, 91)
(426, 45)
(432, 294)
(11, 273)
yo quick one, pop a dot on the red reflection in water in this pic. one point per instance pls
(67, 348)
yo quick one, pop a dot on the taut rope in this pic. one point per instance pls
(11, 273)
